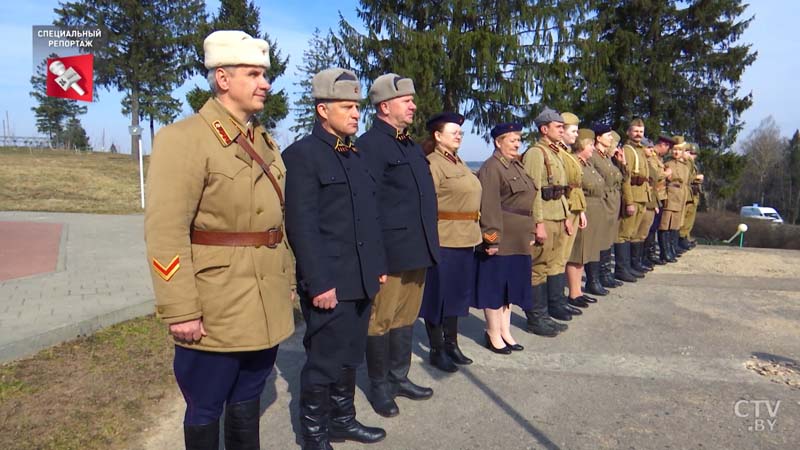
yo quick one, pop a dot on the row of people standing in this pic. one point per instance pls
(370, 247)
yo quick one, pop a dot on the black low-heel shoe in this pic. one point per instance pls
(514, 347)
(579, 302)
(500, 351)
(588, 299)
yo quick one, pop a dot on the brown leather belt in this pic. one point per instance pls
(637, 180)
(453, 215)
(270, 238)
(517, 211)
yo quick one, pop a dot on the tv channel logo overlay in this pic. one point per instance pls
(64, 55)
(70, 77)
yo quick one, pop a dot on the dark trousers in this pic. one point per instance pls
(334, 338)
(209, 380)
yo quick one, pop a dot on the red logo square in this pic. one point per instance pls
(70, 77)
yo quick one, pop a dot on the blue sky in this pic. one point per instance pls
(772, 78)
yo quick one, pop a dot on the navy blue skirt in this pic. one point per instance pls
(449, 285)
(504, 280)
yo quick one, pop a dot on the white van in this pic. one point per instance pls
(761, 212)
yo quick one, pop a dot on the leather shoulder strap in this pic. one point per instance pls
(253, 154)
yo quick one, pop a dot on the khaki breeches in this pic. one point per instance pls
(568, 241)
(397, 303)
(630, 225)
(546, 255)
(644, 227)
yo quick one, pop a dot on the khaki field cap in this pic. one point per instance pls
(336, 84)
(234, 48)
(389, 86)
(570, 119)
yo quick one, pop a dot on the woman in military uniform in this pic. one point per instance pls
(601, 160)
(507, 223)
(450, 285)
(577, 211)
(588, 244)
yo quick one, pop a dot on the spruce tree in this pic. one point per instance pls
(147, 45)
(479, 58)
(52, 113)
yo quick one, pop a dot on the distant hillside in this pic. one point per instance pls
(66, 181)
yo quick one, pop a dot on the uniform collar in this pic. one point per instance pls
(503, 160)
(332, 140)
(450, 157)
(634, 144)
(547, 143)
(383, 126)
(223, 124)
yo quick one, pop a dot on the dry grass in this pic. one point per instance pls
(66, 181)
(92, 393)
(715, 226)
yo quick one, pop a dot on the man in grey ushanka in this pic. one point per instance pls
(332, 227)
(408, 220)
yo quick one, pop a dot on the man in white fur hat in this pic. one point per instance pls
(222, 271)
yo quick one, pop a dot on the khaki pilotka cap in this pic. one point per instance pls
(336, 84)
(583, 135)
(234, 48)
(389, 86)
(680, 142)
(570, 119)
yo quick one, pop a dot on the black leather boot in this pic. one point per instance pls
(451, 342)
(637, 253)
(438, 357)
(621, 253)
(628, 261)
(314, 417)
(343, 424)
(556, 300)
(538, 322)
(593, 285)
(400, 363)
(651, 250)
(684, 243)
(241, 425)
(607, 271)
(381, 390)
(677, 249)
(665, 247)
(201, 437)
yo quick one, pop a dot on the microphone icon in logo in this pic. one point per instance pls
(66, 78)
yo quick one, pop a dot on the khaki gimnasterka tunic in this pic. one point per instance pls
(657, 192)
(589, 241)
(544, 165)
(692, 199)
(507, 195)
(637, 195)
(199, 178)
(458, 190)
(576, 200)
(672, 217)
(613, 178)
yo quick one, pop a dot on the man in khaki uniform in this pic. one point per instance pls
(635, 196)
(640, 261)
(693, 201)
(222, 272)
(550, 209)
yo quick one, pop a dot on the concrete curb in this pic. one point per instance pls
(33, 344)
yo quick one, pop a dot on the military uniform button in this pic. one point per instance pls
(360, 243)
(259, 211)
